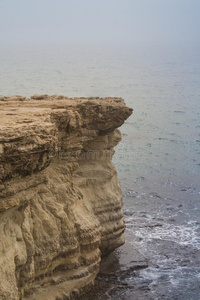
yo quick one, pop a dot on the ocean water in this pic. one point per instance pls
(158, 160)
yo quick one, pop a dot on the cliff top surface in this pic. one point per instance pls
(16, 110)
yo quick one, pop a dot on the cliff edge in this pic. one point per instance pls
(60, 199)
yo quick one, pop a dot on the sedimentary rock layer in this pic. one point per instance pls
(60, 200)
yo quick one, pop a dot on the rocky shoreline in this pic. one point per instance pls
(114, 268)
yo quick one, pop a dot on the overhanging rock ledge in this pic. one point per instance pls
(60, 199)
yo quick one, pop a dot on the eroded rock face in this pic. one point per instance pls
(60, 200)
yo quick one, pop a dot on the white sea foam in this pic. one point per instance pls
(181, 234)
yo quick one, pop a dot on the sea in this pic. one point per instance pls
(158, 159)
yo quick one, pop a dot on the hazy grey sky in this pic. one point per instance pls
(102, 21)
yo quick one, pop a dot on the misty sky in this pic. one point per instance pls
(99, 22)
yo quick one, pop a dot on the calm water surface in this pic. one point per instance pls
(158, 160)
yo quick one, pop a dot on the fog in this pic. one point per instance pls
(105, 22)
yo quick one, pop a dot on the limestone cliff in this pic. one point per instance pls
(60, 200)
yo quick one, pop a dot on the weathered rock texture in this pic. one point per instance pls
(60, 200)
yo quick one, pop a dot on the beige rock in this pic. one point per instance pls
(60, 200)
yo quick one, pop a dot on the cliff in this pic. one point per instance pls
(60, 200)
